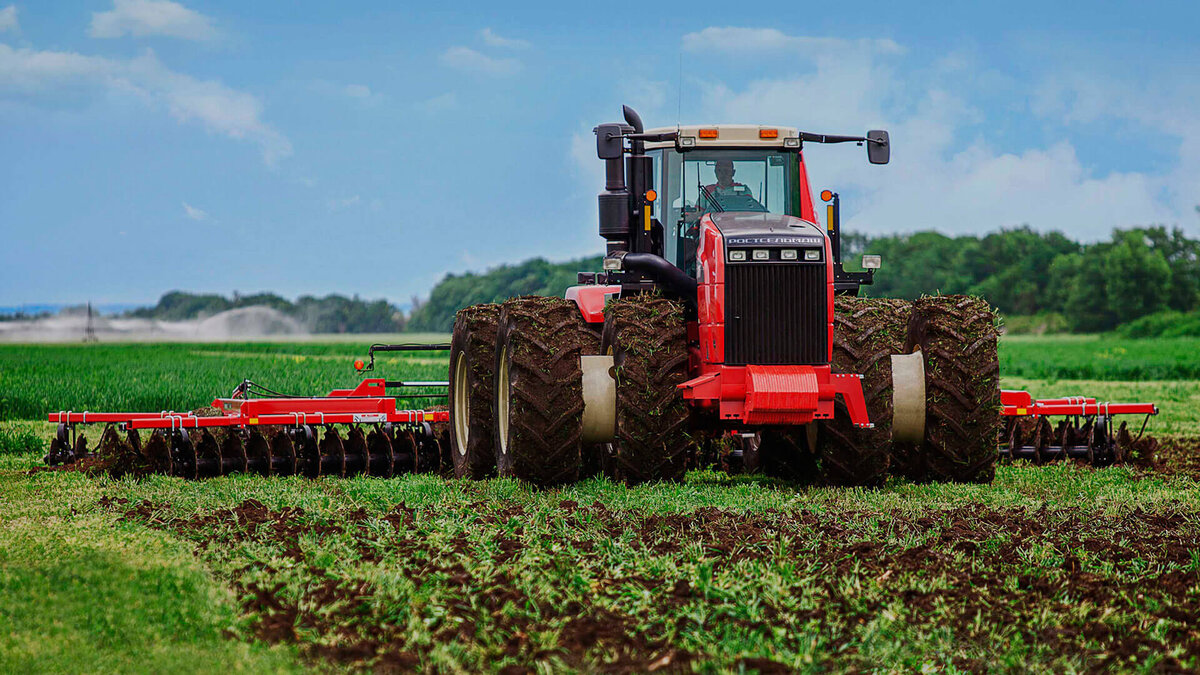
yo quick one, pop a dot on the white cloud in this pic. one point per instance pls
(439, 103)
(358, 91)
(341, 203)
(336, 90)
(8, 19)
(944, 175)
(193, 212)
(1083, 98)
(734, 39)
(29, 73)
(491, 39)
(647, 95)
(469, 60)
(151, 17)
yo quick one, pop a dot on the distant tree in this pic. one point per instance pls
(1138, 276)
(532, 277)
(331, 314)
(1011, 268)
(1087, 308)
(1183, 257)
(919, 263)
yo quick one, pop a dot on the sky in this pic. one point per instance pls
(370, 148)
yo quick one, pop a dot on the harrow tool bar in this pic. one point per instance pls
(1086, 434)
(267, 436)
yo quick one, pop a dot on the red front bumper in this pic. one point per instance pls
(776, 395)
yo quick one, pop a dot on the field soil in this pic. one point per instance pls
(1054, 568)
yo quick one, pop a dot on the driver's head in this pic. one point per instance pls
(724, 170)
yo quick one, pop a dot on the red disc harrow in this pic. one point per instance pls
(1085, 432)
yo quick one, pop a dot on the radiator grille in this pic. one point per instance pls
(775, 314)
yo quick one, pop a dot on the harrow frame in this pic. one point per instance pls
(1029, 434)
(276, 434)
(368, 403)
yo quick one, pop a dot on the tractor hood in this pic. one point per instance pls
(766, 229)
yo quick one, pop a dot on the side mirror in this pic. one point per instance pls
(610, 142)
(879, 149)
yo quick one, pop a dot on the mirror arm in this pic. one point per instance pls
(826, 138)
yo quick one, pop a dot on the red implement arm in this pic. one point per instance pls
(365, 404)
(1015, 403)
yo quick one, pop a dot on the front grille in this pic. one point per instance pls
(775, 314)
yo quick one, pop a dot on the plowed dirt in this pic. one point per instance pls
(1111, 590)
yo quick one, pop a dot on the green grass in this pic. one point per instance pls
(23, 437)
(81, 593)
(1091, 357)
(1048, 569)
(37, 379)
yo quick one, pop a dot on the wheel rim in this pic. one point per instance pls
(462, 409)
(502, 393)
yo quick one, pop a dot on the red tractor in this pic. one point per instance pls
(723, 315)
(723, 318)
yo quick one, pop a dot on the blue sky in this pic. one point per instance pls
(371, 147)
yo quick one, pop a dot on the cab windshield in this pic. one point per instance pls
(727, 180)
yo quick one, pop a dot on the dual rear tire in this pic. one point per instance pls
(958, 340)
(516, 391)
(472, 356)
(538, 401)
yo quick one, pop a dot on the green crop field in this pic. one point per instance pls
(1059, 568)
(1090, 357)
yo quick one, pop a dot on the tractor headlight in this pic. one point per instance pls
(793, 142)
(762, 254)
(812, 254)
(737, 256)
(787, 254)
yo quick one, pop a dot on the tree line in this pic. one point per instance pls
(330, 314)
(532, 277)
(1082, 287)
(1144, 279)
(1093, 287)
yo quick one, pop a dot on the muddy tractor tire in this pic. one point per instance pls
(866, 333)
(538, 402)
(782, 453)
(472, 364)
(647, 339)
(959, 339)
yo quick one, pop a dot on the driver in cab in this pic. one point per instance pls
(725, 185)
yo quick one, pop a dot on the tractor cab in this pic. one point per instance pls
(728, 169)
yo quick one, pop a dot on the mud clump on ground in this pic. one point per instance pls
(1106, 589)
(1178, 456)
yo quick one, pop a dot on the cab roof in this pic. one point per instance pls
(727, 135)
